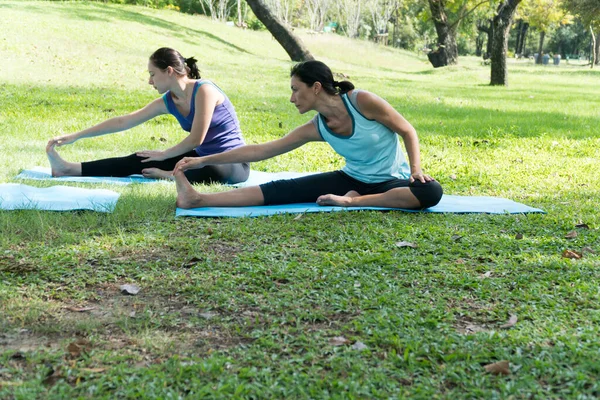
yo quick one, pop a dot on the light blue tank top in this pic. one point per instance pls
(372, 152)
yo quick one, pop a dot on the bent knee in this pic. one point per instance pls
(429, 194)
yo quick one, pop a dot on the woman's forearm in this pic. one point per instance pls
(411, 142)
(247, 153)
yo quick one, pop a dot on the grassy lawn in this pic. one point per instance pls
(316, 306)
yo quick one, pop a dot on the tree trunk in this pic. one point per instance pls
(524, 37)
(479, 45)
(521, 37)
(488, 30)
(286, 38)
(594, 49)
(501, 27)
(597, 49)
(447, 51)
(541, 47)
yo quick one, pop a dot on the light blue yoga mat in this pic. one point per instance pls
(14, 196)
(448, 204)
(44, 173)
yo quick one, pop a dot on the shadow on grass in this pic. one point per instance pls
(441, 119)
(88, 12)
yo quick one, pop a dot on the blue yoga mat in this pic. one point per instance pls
(448, 204)
(44, 173)
(14, 196)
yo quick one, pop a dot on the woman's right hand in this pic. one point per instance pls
(188, 163)
(62, 140)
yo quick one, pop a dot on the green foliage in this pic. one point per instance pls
(587, 10)
(248, 308)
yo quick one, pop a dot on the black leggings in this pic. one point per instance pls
(132, 164)
(308, 188)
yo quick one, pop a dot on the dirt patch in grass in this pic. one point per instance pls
(116, 320)
(468, 326)
(175, 256)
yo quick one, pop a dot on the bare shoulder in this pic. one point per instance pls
(371, 105)
(208, 88)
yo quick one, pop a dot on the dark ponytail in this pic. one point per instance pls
(310, 72)
(166, 57)
(193, 71)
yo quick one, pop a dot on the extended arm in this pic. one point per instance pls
(116, 124)
(374, 107)
(256, 152)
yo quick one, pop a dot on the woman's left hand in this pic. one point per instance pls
(421, 177)
(151, 155)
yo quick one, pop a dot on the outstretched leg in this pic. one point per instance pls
(339, 201)
(157, 173)
(401, 197)
(188, 197)
(61, 167)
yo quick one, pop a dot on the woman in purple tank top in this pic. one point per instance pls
(201, 108)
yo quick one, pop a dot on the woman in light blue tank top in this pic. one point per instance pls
(360, 126)
(202, 110)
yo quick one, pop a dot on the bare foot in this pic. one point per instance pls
(59, 166)
(339, 201)
(187, 197)
(156, 173)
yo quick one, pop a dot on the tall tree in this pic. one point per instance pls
(286, 38)
(446, 27)
(349, 13)
(589, 12)
(317, 11)
(544, 15)
(500, 28)
(381, 12)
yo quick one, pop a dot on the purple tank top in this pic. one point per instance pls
(224, 131)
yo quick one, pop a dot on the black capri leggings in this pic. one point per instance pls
(308, 188)
(132, 164)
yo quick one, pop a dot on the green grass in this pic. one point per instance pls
(247, 308)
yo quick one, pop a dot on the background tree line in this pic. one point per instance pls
(538, 26)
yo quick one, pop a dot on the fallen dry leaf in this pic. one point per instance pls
(191, 262)
(571, 235)
(359, 346)
(511, 322)
(460, 261)
(453, 177)
(80, 309)
(93, 370)
(77, 347)
(498, 368)
(487, 274)
(406, 244)
(338, 341)
(571, 254)
(208, 315)
(297, 217)
(130, 290)
(52, 377)
(587, 250)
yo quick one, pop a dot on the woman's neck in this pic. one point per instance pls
(331, 107)
(182, 88)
